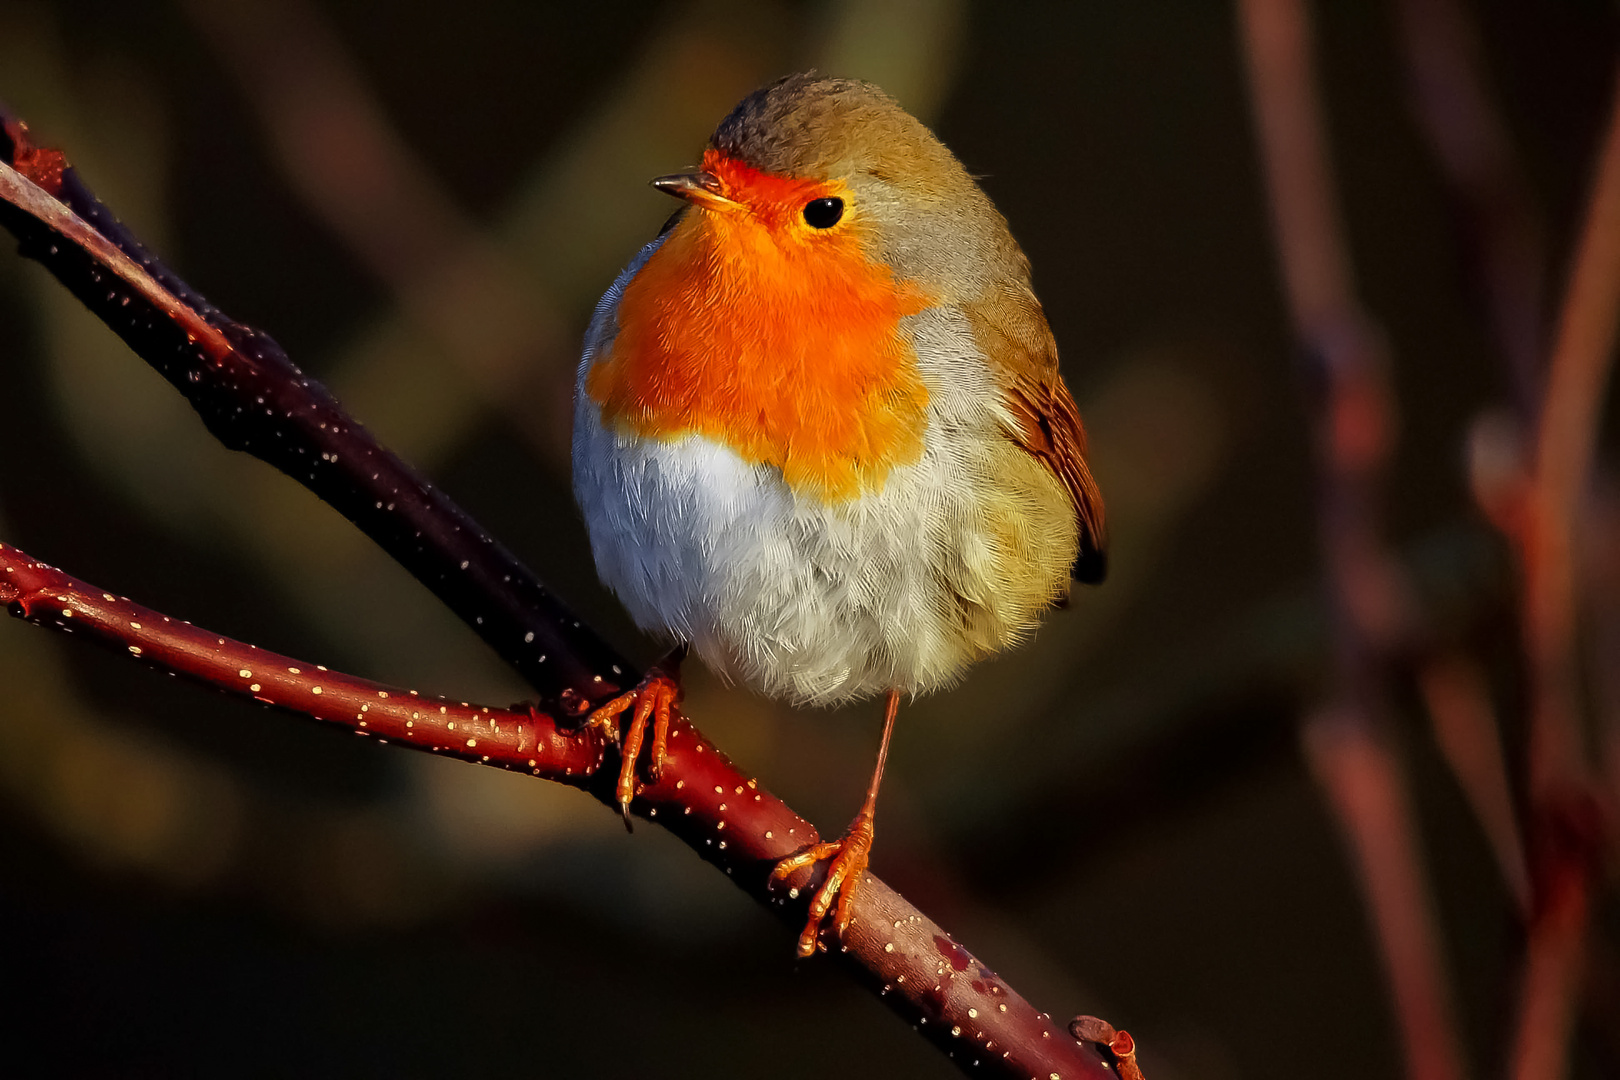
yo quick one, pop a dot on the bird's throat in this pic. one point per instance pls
(788, 349)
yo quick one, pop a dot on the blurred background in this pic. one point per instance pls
(421, 202)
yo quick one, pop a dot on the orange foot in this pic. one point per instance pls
(655, 697)
(849, 856)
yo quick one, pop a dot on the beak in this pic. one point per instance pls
(702, 188)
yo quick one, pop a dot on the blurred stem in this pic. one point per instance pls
(1554, 962)
(338, 151)
(1504, 235)
(1567, 826)
(1367, 792)
(1352, 424)
(1458, 701)
(1566, 437)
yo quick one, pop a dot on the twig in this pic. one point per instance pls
(337, 149)
(1353, 421)
(1367, 793)
(1119, 1043)
(1553, 966)
(1502, 229)
(509, 738)
(1465, 728)
(254, 399)
(1566, 827)
(726, 817)
(1540, 512)
(1503, 235)
(1566, 435)
(1602, 569)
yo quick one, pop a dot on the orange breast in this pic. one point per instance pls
(782, 344)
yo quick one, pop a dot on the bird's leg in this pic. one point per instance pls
(655, 697)
(849, 855)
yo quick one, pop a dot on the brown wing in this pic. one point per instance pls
(1049, 427)
(1013, 332)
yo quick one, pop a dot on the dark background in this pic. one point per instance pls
(1118, 817)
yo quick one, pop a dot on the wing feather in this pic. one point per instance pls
(1044, 420)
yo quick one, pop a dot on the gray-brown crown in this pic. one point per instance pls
(811, 126)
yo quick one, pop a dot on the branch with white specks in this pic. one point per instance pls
(254, 399)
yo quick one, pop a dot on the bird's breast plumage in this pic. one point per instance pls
(935, 542)
(790, 352)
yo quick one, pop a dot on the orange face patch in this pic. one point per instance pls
(779, 340)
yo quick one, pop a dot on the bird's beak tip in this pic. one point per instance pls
(695, 187)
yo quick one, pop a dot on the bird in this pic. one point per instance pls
(820, 434)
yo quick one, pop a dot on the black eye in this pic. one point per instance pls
(823, 213)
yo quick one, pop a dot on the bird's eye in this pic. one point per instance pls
(823, 213)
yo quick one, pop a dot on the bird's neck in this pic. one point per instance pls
(791, 354)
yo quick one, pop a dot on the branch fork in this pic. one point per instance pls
(252, 397)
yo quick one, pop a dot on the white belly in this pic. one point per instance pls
(954, 557)
(801, 601)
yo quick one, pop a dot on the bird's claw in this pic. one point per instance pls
(849, 858)
(655, 698)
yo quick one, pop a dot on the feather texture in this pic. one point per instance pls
(838, 458)
(1011, 329)
(954, 556)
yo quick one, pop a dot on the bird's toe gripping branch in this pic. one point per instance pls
(657, 697)
(849, 857)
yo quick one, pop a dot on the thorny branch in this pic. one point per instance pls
(254, 399)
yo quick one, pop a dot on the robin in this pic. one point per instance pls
(820, 436)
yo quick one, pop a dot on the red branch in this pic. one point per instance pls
(510, 738)
(1465, 729)
(1568, 825)
(726, 816)
(1577, 374)
(1539, 513)
(254, 399)
(1502, 231)
(1353, 422)
(353, 169)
